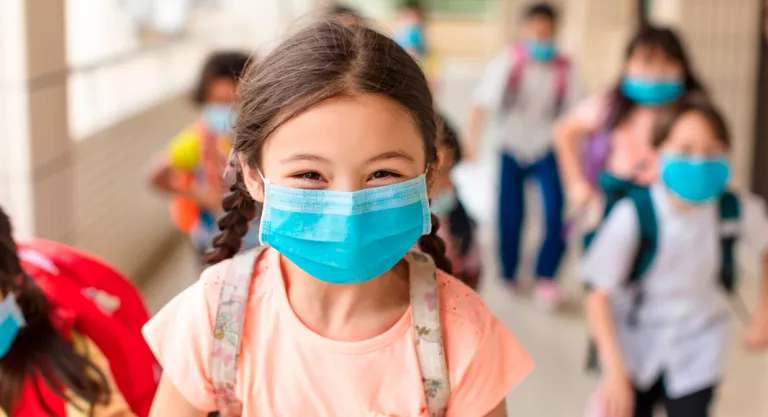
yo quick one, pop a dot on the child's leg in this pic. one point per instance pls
(553, 246)
(692, 405)
(511, 213)
(646, 401)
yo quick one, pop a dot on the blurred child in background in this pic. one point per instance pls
(458, 231)
(70, 341)
(346, 15)
(191, 169)
(661, 269)
(522, 92)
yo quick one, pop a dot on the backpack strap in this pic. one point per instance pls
(519, 57)
(227, 331)
(730, 212)
(428, 337)
(647, 245)
(562, 70)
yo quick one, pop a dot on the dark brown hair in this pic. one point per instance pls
(662, 39)
(323, 61)
(222, 64)
(39, 349)
(544, 10)
(667, 119)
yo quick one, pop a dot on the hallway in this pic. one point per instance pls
(559, 386)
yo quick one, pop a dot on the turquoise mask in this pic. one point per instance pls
(11, 321)
(541, 51)
(345, 237)
(693, 179)
(651, 93)
(219, 118)
(444, 202)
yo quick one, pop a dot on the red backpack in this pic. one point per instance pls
(521, 59)
(102, 305)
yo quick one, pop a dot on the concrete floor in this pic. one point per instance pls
(558, 387)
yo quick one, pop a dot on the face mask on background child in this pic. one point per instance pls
(696, 180)
(650, 92)
(541, 51)
(444, 202)
(11, 321)
(345, 237)
(219, 118)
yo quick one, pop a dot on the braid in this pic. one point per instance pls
(240, 209)
(433, 245)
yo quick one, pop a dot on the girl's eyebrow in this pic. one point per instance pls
(392, 155)
(304, 157)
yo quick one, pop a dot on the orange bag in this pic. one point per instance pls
(184, 212)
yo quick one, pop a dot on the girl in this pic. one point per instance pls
(605, 143)
(192, 167)
(46, 368)
(459, 232)
(662, 333)
(337, 137)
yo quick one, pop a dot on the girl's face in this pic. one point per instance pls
(692, 135)
(653, 64)
(342, 144)
(221, 91)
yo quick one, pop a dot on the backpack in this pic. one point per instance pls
(521, 60)
(425, 312)
(729, 214)
(102, 305)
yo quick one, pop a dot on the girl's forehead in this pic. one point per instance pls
(348, 128)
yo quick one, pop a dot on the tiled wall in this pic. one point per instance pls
(117, 216)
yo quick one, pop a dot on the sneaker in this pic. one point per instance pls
(548, 294)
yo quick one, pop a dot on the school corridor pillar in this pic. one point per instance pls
(723, 40)
(35, 149)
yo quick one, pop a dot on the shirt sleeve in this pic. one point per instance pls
(590, 112)
(490, 91)
(608, 260)
(184, 151)
(181, 337)
(499, 363)
(754, 223)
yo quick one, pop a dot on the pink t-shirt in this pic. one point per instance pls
(632, 154)
(285, 369)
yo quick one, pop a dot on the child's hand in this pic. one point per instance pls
(757, 334)
(618, 395)
(208, 198)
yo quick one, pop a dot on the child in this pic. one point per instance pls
(522, 92)
(661, 268)
(47, 368)
(195, 160)
(410, 34)
(459, 232)
(336, 136)
(605, 143)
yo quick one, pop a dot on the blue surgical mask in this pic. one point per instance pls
(651, 93)
(693, 179)
(219, 118)
(11, 321)
(345, 237)
(541, 51)
(444, 202)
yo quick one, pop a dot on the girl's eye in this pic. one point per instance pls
(378, 175)
(309, 176)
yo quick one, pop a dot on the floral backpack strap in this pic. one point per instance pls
(227, 330)
(425, 311)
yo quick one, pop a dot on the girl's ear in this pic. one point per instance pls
(431, 178)
(253, 182)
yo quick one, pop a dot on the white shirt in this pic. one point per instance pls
(525, 129)
(683, 321)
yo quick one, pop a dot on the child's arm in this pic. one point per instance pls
(757, 336)
(170, 402)
(486, 98)
(474, 131)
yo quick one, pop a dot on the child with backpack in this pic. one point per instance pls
(458, 230)
(662, 267)
(70, 335)
(522, 92)
(334, 315)
(604, 144)
(191, 169)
